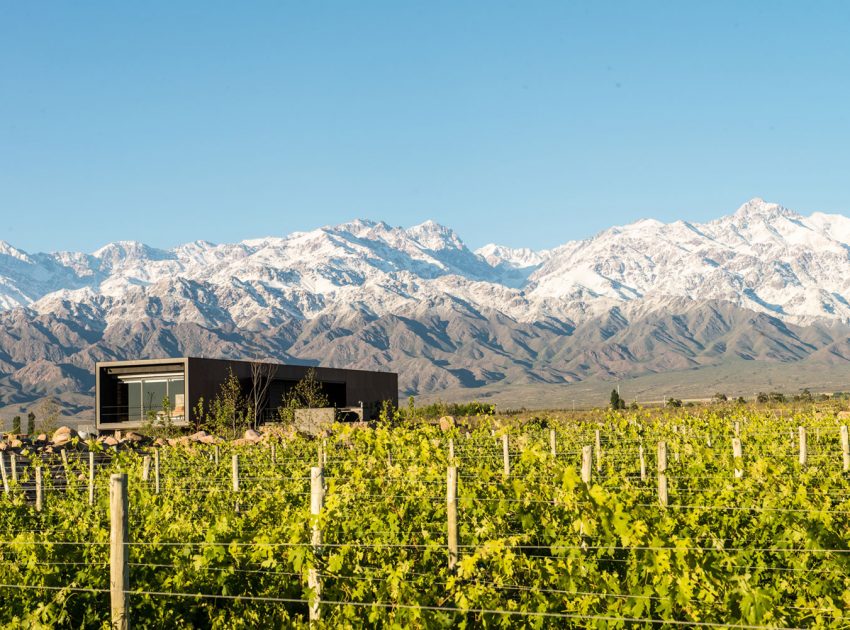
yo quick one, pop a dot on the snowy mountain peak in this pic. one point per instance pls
(759, 208)
(431, 235)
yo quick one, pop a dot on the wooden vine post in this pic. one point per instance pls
(506, 457)
(845, 448)
(642, 463)
(234, 472)
(553, 443)
(156, 470)
(217, 454)
(598, 444)
(317, 499)
(14, 466)
(119, 559)
(91, 478)
(586, 457)
(662, 473)
(5, 478)
(738, 457)
(804, 451)
(451, 452)
(146, 468)
(38, 490)
(451, 513)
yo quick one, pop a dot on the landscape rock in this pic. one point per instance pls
(160, 442)
(251, 436)
(199, 436)
(41, 438)
(132, 436)
(447, 423)
(110, 440)
(64, 434)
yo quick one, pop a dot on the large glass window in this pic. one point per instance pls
(177, 396)
(134, 400)
(153, 393)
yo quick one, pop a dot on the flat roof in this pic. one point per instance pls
(176, 360)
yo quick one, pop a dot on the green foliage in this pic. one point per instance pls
(16, 425)
(30, 423)
(305, 394)
(673, 402)
(616, 402)
(719, 397)
(762, 398)
(439, 409)
(768, 549)
(229, 412)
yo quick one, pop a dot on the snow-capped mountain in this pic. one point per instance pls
(764, 282)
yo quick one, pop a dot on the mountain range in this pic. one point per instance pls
(762, 285)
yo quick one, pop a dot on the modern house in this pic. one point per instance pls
(130, 393)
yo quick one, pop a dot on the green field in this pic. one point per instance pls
(537, 547)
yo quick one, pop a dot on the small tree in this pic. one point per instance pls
(719, 397)
(30, 423)
(615, 400)
(16, 425)
(305, 394)
(228, 408)
(262, 375)
(762, 397)
(674, 402)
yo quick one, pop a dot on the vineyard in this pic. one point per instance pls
(625, 520)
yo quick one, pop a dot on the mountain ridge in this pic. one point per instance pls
(763, 283)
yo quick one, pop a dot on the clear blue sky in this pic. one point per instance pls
(524, 123)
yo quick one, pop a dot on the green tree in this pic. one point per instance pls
(16, 425)
(30, 423)
(762, 397)
(674, 402)
(229, 409)
(305, 394)
(615, 400)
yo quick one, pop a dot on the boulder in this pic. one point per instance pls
(199, 436)
(160, 442)
(110, 440)
(210, 439)
(132, 436)
(15, 443)
(447, 423)
(251, 436)
(41, 438)
(64, 434)
(844, 415)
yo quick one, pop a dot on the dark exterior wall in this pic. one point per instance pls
(372, 388)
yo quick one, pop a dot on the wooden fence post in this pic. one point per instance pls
(737, 428)
(662, 473)
(738, 457)
(91, 478)
(804, 451)
(451, 511)
(217, 453)
(38, 490)
(552, 443)
(156, 470)
(451, 452)
(642, 463)
(5, 478)
(324, 461)
(586, 457)
(14, 465)
(506, 456)
(146, 468)
(598, 443)
(119, 567)
(234, 476)
(64, 458)
(317, 500)
(845, 448)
